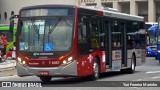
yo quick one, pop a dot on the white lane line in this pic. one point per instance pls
(152, 72)
(138, 80)
(156, 77)
(147, 78)
(135, 87)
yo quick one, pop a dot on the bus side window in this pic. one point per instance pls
(83, 42)
(82, 33)
(94, 33)
(116, 35)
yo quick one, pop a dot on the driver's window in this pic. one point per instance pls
(82, 33)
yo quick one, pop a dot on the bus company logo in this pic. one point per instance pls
(43, 62)
(6, 84)
(87, 1)
(21, 84)
(35, 54)
(90, 57)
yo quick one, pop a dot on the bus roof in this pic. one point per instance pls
(5, 27)
(115, 14)
(152, 23)
(105, 12)
(4, 24)
(47, 6)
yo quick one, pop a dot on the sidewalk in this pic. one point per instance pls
(7, 65)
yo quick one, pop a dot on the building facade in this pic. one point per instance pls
(150, 9)
(10, 7)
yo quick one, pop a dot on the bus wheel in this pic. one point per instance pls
(133, 65)
(45, 79)
(96, 71)
(132, 68)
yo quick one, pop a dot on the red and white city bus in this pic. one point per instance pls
(66, 41)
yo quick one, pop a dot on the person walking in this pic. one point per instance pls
(1, 48)
(8, 54)
(4, 41)
(14, 51)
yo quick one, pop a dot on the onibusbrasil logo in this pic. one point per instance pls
(35, 54)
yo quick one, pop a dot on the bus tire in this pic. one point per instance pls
(45, 79)
(96, 70)
(131, 69)
(133, 65)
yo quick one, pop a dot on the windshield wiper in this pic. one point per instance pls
(52, 27)
(36, 28)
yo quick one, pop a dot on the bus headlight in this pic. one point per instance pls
(69, 60)
(24, 62)
(158, 51)
(64, 62)
(19, 59)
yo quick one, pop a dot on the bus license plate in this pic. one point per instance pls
(44, 73)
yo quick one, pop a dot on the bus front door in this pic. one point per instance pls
(124, 44)
(107, 44)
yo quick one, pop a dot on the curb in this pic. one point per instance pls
(10, 64)
(8, 77)
(7, 69)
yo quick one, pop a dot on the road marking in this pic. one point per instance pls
(156, 77)
(152, 72)
(135, 87)
(78, 89)
(137, 80)
(148, 78)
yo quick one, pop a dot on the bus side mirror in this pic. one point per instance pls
(11, 26)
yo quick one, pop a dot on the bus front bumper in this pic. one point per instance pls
(61, 71)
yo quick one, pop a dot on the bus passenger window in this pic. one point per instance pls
(116, 35)
(94, 33)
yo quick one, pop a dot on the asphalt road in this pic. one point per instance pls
(150, 71)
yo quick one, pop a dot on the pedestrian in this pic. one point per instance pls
(14, 51)
(1, 48)
(8, 54)
(4, 41)
(11, 53)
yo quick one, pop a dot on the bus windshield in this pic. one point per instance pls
(152, 35)
(50, 34)
(148, 26)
